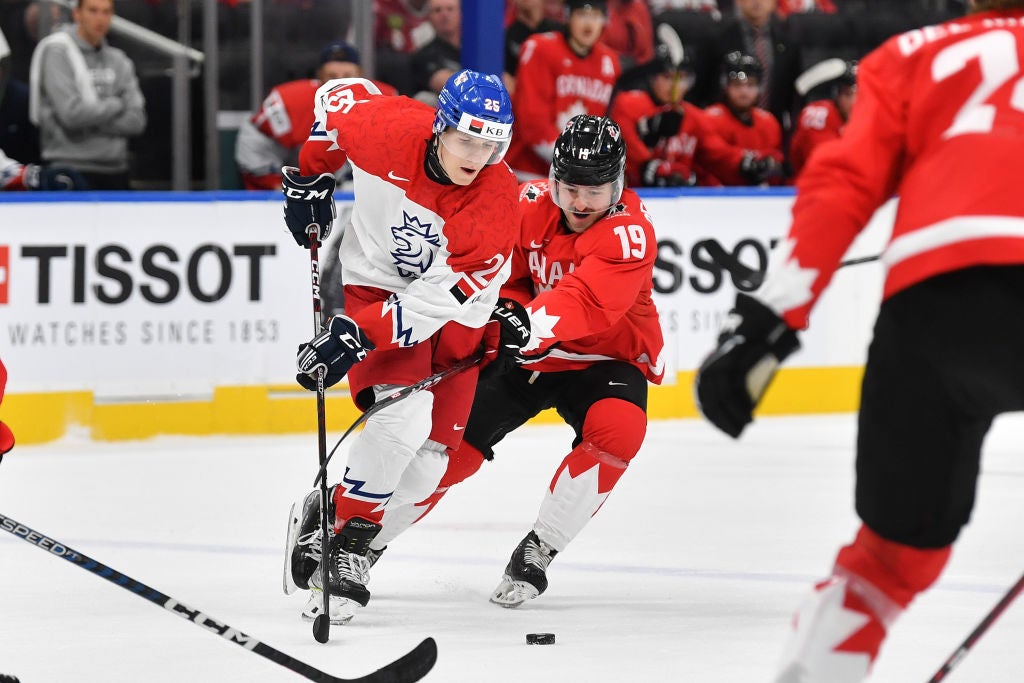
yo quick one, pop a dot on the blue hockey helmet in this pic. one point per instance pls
(477, 105)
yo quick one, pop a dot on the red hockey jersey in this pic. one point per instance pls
(590, 292)
(554, 84)
(818, 122)
(696, 141)
(763, 135)
(939, 120)
(444, 250)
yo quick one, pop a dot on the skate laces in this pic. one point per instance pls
(537, 554)
(352, 566)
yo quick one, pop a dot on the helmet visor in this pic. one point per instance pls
(472, 148)
(584, 199)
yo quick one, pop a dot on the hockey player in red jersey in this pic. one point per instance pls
(582, 267)
(272, 136)
(946, 353)
(429, 246)
(6, 436)
(823, 120)
(560, 75)
(667, 137)
(738, 119)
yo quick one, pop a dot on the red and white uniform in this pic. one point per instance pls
(12, 174)
(272, 134)
(696, 143)
(919, 148)
(762, 135)
(590, 292)
(400, 26)
(555, 84)
(819, 122)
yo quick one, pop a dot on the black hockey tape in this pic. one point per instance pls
(540, 638)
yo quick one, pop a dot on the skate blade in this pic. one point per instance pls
(342, 609)
(510, 593)
(294, 522)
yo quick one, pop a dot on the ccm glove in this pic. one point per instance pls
(505, 334)
(336, 349)
(732, 380)
(756, 170)
(308, 201)
(658, 127)
(49, 178)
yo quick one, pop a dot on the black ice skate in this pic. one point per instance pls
(302, 550)
(526, 574)
(349, 572)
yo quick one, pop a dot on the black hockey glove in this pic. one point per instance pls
(658, 127)
(308, 200)
(661, 173)
(505, 334)
(732, 380)
(337, 348)
(756, 170)
(49, 178)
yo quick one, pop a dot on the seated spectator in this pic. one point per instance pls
(434, 63)
(552, 9)
(823, 119)
(630, 31)
(85, 98)
(666, 136)
(757, 30)
(529, 18)
(401, 25)
(560, 75)
(271, 137)
(738, 119)
(18, 176)
(18, 137)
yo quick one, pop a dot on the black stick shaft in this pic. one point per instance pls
(407, 669)
(322, 624)
(978, 632)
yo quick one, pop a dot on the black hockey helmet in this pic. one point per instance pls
(589, 151)
(571, 5)
(739, 66)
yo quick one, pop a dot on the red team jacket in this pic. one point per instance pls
(591, 292)
(966, 113)
(763, 135)
(553, 85)
(442, 249)
(696, 143)
(818, 122)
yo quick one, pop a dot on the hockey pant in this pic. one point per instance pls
(613, 431)
(839, 628)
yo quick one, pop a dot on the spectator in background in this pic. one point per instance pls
(529, 18)
(436, 61)
(666, 136)
(560, 75)
(823, 119)
(273, 135)
(630, 31)
(401, 25)
(757, 30)
(86, 99)
(18, 137)
(738, 119)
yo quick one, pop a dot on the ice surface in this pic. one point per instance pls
(690, 572)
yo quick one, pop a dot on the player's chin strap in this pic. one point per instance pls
(394, 397)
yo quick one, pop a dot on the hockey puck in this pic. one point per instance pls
(540, 638)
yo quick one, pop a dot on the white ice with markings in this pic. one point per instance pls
(690, 572)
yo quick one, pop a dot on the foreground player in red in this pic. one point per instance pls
(582, 268)
(6, 436)
(946, 354)
(429, 246)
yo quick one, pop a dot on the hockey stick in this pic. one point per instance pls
(411, 667)
(749, 278)
(391, 399)
(978, 632)
(322, 623)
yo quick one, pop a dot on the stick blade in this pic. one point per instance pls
(408, 668)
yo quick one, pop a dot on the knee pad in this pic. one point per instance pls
(615, 426)
(422, 476)
(900, 571)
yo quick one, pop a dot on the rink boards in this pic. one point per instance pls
(168, 313)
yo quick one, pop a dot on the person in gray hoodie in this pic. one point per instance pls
(85, 98)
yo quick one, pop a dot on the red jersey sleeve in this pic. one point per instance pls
(534, 100)
(342, 109)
